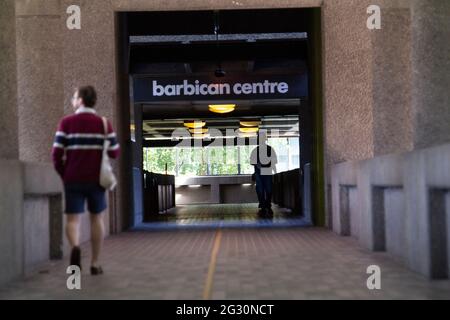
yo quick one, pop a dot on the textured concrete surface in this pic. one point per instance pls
(396, 207)
(37, 7)
(365, 74)
(143, 5)
(9, 149)
(365, 115)
(392, 116)
(31, 215)
(25, 217)
(431, 76)
(394, 204)
(89, 54)
(39, 82)
(367, 80)
(348, 79)
(36, 224)
(258, 264)
(11, 226)
(41, 178)
(349, 103)
(220, 189)
(188, 195)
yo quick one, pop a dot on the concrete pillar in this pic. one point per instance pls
(347, 65)
(89, 54)
(392, 116)
(39, 75)
(367, 80)
(430, 72)
(9, 148)
(11, 217)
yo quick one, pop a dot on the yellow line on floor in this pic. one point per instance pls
(212, 266)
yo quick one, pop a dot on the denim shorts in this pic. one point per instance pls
(76, 195)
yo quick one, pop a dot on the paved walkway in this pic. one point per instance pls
(210, 216)
(293, 263)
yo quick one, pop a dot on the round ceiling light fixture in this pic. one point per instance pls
(250, 123)
(249, 129)
(222, 108)
(194, 124)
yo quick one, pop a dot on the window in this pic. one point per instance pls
(225, 160)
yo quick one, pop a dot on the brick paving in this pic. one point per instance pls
(277, 263)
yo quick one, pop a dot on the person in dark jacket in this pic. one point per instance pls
(264, 160)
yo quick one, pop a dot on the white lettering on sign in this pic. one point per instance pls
(203, 89)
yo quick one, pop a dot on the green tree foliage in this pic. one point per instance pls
(194, 161)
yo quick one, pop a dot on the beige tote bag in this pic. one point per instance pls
(107, 178)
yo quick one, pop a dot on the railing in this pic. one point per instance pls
(286, 190)
(159, 194)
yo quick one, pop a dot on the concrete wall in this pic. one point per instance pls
(42, 211)
(359, 103)
(403, 206)
(39, 77)
(395, 217)
(37, 231)
(238, 193)
(9, 149)
(220, 189)
(31, 217)
(11, 226)
(392, 112)
(367, 80)
(190, 195)
(32, 220)
(377, 99)
(430, 73)
(348, 81)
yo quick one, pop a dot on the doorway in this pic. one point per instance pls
(219, 47)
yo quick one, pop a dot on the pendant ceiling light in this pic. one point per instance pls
(222, 108)
(194, 124)
(250, 123)
(249, 129)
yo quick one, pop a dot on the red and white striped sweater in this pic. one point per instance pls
(78, 145)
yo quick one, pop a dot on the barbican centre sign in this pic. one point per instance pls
(148, 89)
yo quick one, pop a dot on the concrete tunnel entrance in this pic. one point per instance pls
(189, 164)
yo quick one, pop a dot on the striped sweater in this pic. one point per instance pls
(78, 145)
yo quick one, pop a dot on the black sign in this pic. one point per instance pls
(147, 89)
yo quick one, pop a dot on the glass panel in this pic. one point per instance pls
(221, 160)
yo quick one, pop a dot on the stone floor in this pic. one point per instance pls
(209, 216)
(266, 263)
